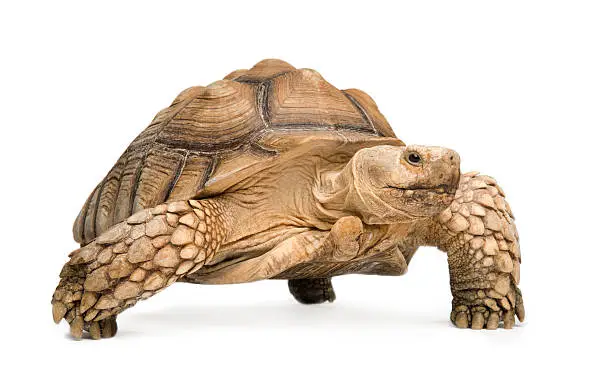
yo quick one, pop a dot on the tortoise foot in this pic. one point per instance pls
(488, 311)
(312, 291)
(102, 329)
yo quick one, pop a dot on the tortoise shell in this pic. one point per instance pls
(215, 133)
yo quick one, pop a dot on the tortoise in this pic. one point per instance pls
(273, 173)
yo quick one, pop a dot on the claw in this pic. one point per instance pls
(59, 310)
(109, 327)
(520, 312)
(477, 320)
(509, 319)
(461, 320)
(94, 330)
(76, 327)
(493, 321)
(520, 308)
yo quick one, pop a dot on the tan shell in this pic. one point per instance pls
(208, 137)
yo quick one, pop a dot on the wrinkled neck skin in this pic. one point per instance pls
(341, 193)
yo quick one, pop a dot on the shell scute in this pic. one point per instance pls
(303, 99)
(222, 117)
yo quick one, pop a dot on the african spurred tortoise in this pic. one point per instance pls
(273, 173)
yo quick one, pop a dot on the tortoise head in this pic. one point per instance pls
(399, 184)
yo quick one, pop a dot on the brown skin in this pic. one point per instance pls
(379, 186)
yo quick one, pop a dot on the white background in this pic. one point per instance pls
(522, 90)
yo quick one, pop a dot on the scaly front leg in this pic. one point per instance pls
(134, 260)
(478, 233)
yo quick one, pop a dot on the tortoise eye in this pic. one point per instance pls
(414, 158)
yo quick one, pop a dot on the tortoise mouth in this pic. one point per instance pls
(439, 189)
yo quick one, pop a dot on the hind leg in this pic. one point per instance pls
(134, 260)
(312, 291)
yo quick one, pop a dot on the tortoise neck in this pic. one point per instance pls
(330, 193)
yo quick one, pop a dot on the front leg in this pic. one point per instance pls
(134, 260)
(478, 233)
